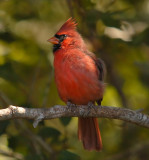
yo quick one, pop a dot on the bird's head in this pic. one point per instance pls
(67, 36)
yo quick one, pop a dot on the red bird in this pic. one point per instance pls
(79, 78)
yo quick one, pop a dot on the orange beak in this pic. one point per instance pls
(53, 40)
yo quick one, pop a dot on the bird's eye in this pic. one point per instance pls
(61, 37)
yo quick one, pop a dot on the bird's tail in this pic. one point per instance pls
(89, 134)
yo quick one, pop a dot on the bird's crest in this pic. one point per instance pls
(70, 24)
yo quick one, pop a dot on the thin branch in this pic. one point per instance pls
(130, 152)
(57, 111)
(21, 126)
(33, 137)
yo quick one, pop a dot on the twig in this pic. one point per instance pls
(57, 111)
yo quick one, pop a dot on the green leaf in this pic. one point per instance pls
(65, 120)
(34, 157)
(87, 4)
(47, 132)
(107, 18)
(141, 38)
(143, 72)
(13, 142)
(7, 72)
(66, 155)
(18, 143)
(7, 36)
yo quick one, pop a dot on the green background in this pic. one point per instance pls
(117, 32)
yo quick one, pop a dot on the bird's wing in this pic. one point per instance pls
(99, 64)
(101, 67)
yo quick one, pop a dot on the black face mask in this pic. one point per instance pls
(60, 38)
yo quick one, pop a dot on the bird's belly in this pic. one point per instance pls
(78, 87)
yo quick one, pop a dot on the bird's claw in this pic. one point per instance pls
(69, 104)
(90, 106)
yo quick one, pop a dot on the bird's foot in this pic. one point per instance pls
(69, 104)
(90, 105)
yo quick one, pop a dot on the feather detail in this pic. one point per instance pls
(70, 24)
(89, 134)
(79, 79)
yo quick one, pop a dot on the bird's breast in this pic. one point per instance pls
(76, 77)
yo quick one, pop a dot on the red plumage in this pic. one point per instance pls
(79, 78)
(70, 24)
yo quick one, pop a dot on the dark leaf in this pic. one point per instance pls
(141, 38)
(7, 72)
(47, 132)
(34, 157)
(107, 18)
(65, 120)
(7, 36)
(16, 142)
(3, 126)
(143, 69)
(66, 155)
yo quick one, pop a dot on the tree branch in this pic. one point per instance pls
(57, 111)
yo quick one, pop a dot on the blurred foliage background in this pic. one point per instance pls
(117, 31)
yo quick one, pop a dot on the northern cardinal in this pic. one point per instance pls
(79, 78)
